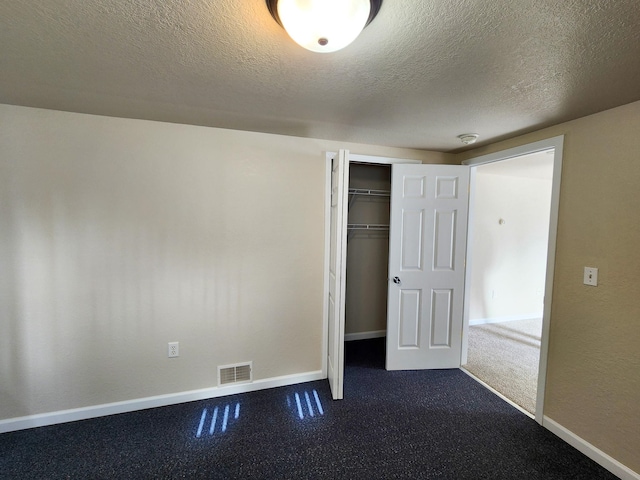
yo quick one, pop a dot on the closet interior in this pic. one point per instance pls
(367, 251)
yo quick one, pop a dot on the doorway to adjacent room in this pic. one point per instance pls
(512, 200)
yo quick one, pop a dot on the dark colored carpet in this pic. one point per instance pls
(429, 424)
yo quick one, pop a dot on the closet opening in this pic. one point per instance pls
(367, 262)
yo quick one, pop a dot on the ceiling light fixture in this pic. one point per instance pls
(324, 25)
(468, 138)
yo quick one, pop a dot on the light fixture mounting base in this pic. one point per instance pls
(272, 5)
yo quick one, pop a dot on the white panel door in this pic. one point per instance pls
(338, 271)
(427, 248)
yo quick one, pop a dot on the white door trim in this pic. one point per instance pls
(557, 144)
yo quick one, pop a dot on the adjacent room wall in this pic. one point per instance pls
(593, 380)
(120, 235)
(509, 251)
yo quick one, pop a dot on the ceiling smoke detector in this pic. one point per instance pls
(468, 138)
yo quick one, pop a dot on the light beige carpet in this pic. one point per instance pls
(505, 356)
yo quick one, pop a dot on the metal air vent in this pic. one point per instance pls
(238, 373)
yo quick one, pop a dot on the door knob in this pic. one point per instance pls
(397, 280)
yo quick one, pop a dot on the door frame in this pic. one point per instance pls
(353, 158)
(555, 143)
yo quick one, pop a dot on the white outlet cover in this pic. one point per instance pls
(174, 349)
(591, 276)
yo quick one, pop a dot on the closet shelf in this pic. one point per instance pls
(353, 228)
(366, 192)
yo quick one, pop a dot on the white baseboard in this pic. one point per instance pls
(52, 418)
(348, 337)
(595, 454)
(507, 318)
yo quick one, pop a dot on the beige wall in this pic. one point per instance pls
(120, 235)
(593, 378)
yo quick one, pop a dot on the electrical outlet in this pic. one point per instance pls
(174, 349)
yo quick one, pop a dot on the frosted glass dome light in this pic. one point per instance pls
(323, 25)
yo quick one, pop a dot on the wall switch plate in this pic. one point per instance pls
(591, 276)
(174, 349)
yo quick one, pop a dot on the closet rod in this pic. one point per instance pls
(369, 192)
(367, 226)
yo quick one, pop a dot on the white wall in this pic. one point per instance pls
(121, 235)
(509, 259)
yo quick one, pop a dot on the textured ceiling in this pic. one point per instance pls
(423, 72)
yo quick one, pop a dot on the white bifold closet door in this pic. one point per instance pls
(337, 271)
